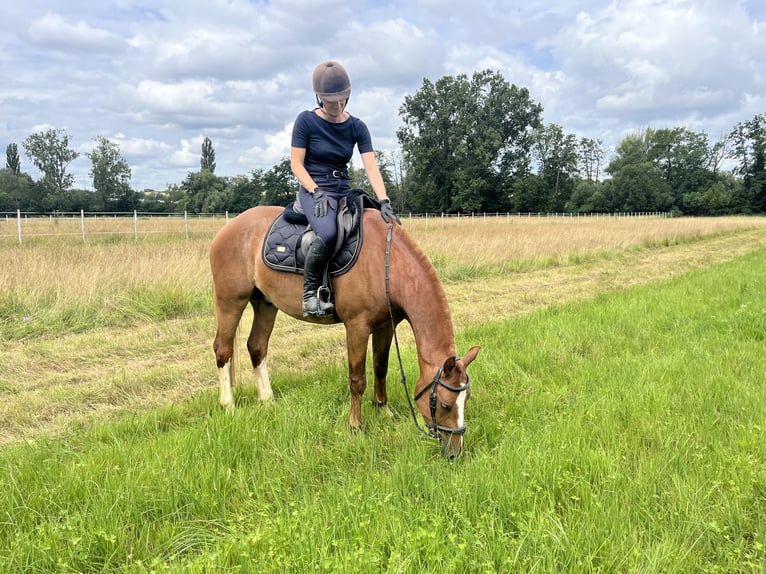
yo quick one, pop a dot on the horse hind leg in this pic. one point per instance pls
(264, 314)
(224, 346)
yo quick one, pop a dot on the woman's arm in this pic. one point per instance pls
(297, 157)
(373, 175)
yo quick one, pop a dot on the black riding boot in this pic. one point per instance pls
(315, 300)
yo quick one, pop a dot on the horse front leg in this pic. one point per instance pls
(356, 345)
(381, 348)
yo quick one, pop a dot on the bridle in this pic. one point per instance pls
(434, 428)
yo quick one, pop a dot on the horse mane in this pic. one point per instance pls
(422, 261)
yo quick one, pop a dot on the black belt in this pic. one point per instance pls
(337, 174)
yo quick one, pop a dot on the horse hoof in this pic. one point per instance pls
(383, 409)
(228, 409)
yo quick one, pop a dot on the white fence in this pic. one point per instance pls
(20, 225)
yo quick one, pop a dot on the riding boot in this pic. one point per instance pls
(315, 296)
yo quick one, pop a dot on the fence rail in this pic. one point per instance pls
(27, 225)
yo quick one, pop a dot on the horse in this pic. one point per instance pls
(392, 280)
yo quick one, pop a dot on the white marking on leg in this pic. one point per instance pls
(262, 382)
(226, 397)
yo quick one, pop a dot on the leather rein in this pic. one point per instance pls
(433, 428)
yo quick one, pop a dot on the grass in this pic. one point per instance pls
(623, 433)
(616, 423)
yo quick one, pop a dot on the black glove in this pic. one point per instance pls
(387, 212)
(321, 203)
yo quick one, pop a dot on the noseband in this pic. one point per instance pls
(434, 428)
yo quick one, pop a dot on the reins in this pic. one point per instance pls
(434, 428)
(396, 339)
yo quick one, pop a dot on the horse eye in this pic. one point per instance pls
(446, 407)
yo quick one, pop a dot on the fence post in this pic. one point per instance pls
(82, 224)
(135, 225)
(18, 223)
(186, 224)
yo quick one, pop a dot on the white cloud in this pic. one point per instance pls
(158, 76)
(53, 29)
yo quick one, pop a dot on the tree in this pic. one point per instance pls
(207, 162)
(50, 153)
(591, 155)
(556, 155)
(749, 150)
(111, 177)
(203, 192)
(16, 191)
(683, 157)
(279, 185)
(465, 141)
(12, 160)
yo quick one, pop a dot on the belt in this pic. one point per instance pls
(337, 174)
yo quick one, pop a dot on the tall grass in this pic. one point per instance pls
(619, 434)
(55, 286)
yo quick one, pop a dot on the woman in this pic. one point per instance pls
(322, 145)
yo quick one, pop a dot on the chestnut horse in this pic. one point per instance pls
(392, 280)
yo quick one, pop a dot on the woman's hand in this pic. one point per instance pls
(321, 202)
(387, 212)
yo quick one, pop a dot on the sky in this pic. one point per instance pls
(158, 76)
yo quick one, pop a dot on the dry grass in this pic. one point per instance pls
(49, 383)
(523, 241)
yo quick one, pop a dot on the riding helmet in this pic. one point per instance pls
(331, 82)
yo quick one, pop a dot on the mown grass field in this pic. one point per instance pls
(616, 424)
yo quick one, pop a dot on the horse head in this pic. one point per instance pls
(442, 403)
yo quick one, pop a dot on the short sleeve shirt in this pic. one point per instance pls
(329, 146)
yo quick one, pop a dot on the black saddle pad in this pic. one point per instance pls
(283, 247)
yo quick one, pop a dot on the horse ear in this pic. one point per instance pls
(471, 355)
(449, 366)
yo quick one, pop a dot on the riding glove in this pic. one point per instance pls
(387, 212)
(321, 203)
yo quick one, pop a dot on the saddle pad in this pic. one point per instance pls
(282, 248)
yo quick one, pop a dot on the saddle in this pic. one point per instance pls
(289, 237)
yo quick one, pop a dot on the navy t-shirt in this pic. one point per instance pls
(328, 145)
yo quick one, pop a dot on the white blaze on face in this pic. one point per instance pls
(460, 403)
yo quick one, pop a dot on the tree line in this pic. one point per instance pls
(468, 144)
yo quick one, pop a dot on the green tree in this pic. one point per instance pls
(465, 141)
(279, 185)
(638, 184)
(17, 191)
(207, 161)
(590, 156)
(50, 153)
(12, 160)
(683, 157)
(111, 177)
(202, 192)
(556, 156)
(748, 149)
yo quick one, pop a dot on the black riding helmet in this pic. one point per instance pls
(331, 82)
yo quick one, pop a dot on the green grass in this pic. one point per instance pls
(626, 433)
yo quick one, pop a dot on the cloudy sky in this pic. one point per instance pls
(157, 76)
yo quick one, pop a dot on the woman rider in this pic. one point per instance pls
(322, 145)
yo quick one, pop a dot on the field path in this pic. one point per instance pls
(50, 385)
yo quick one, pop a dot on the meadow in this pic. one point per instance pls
(616, 422)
